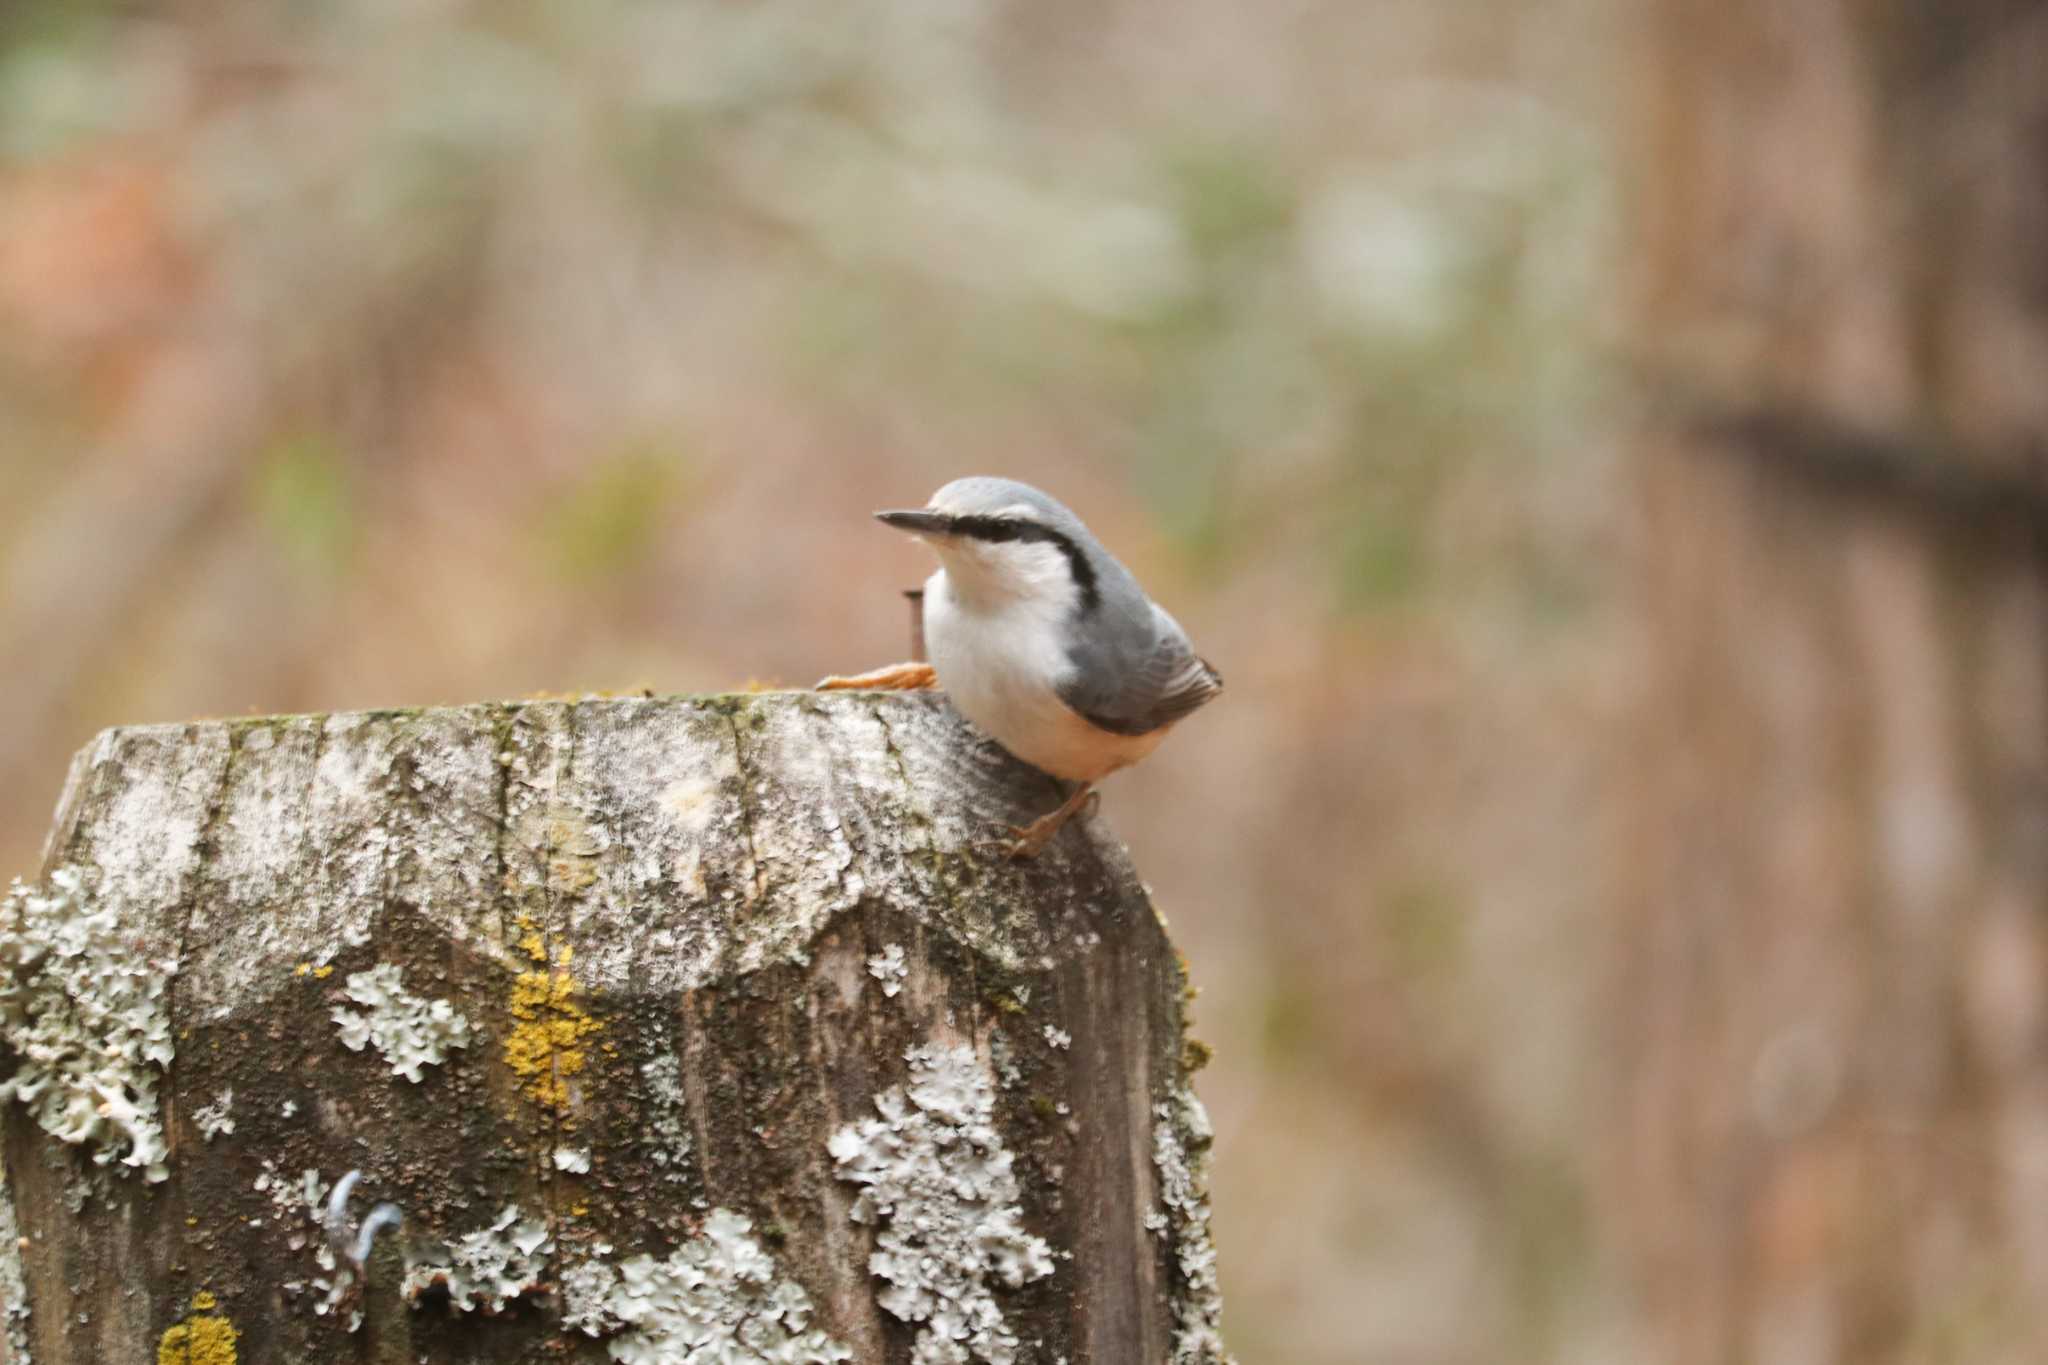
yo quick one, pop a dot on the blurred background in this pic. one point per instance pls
(1603, 445)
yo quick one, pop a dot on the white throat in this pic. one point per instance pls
(997, 631)
(996, 577)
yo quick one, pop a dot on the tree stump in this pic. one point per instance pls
(678, 1030)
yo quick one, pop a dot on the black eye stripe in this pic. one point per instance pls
(997, 530)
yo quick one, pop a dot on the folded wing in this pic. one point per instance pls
(1151, 687)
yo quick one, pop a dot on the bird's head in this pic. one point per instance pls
(1000, 539)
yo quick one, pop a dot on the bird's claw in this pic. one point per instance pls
(1024, 842)
(1018, 843)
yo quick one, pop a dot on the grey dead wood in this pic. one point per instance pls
(658, 918)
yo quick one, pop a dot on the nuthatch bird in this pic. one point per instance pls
(1043, 640)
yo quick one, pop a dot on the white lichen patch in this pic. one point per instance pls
(214, 1119)
(583, 1294)
(409, 1031)
(1005, 1058)
(82, 1008)
(889, 968)
(575, 1161)
(715, 1300)
(1058, 1038)
(487, 1269)
(1180, 1150)
(936, 1176)
(298, 1207)
(291, 1200)
(13, 1283)
(667, 1118)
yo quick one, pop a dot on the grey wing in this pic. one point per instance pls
(1136, 691)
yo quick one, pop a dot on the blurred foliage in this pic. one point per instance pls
(1425, 929)
(518, 303)
(304, 490)
(472, 311)
(1232, 201)
(609, 519)
(1550, 1244)
(1290, 1027)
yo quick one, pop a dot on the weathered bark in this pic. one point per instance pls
(673, 929)
(1833, 1144)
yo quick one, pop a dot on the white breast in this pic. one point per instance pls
(1001, 663)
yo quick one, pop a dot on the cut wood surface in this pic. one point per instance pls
(681, 1029)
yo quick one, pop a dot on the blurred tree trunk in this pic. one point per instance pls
(1833, 998)
(722, 980)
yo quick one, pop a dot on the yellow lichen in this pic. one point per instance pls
(533, 947)
(204, 1302)
(202, 1339)
(322, 973)
(544, 1048)
(304, 967)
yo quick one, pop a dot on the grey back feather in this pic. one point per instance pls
(1133, 669)
(1128, 684)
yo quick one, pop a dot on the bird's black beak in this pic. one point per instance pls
(918, 523)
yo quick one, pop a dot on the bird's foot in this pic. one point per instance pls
(894, 678)
(1028, 841)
